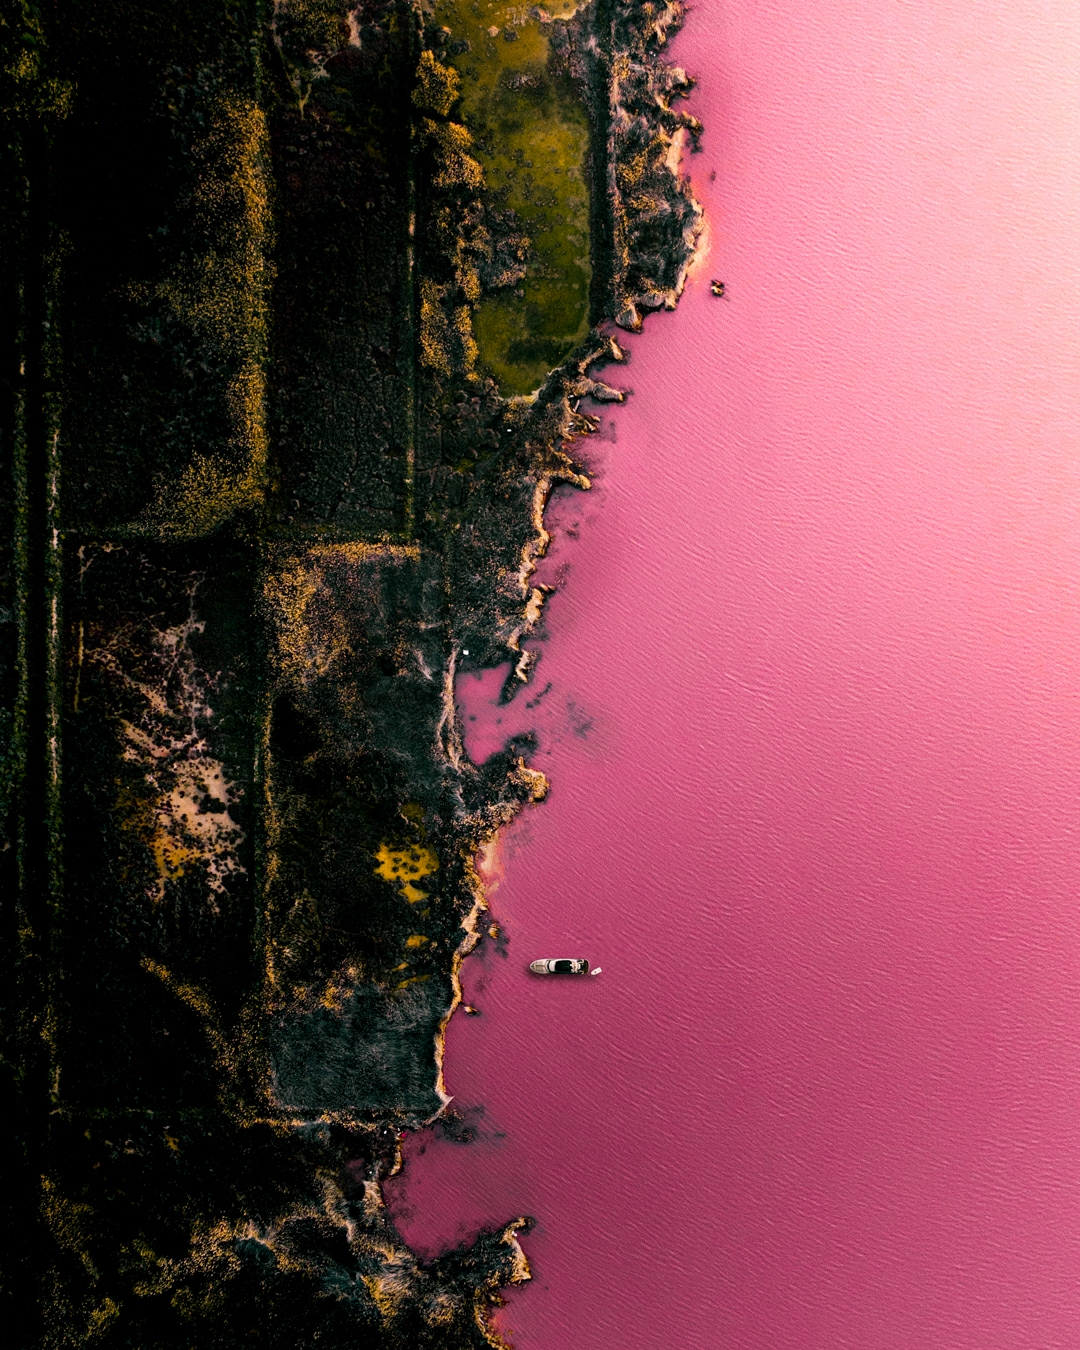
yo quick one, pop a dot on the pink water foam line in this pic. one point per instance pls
(813, 735)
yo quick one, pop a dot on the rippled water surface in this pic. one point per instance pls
(812, 724)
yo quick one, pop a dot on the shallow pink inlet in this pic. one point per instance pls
(813, 734)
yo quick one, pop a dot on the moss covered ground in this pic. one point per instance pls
(531, 133)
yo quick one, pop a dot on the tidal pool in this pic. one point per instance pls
(810, 709)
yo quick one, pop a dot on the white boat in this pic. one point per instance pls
(563, 966)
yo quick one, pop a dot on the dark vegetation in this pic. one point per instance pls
(258, 494)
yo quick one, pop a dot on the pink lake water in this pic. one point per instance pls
(812, 726)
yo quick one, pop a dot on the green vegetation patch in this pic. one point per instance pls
(531, 136)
